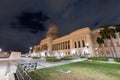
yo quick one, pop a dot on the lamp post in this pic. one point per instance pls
(30, 50)
(96, 51)
(87, 45)
(0, 50)
(87, 53)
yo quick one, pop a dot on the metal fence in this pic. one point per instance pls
(22, 73)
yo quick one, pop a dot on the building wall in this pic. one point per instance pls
(81, 42)
(110, 48)
(74, 43)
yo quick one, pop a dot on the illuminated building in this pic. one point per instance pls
(81, 42)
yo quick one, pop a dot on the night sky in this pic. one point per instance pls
(69, 15)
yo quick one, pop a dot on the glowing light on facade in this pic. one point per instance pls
(0, 49)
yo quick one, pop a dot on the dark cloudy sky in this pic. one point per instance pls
(68, 14)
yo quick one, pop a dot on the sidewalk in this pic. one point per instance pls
(6, 69)
(50, 64)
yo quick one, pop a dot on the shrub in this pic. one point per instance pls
(102, 59)
(94, 58)
(68, 58)
(52, 59)
(36, 57)
(99, 58)
(117, 59)
(82, 56)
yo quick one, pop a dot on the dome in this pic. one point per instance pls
(53, 28)
(53, 31)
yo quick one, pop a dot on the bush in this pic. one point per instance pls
(36, 57)
(102, 59)
(117, 59)
(52, 59)
(82, 56)
(99, 58)
(68, 58)
(94, 58)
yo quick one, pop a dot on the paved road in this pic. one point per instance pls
(3, 68)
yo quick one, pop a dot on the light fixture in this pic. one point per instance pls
(30, 48)
(95, 48)
(0, 49)
(87, 44)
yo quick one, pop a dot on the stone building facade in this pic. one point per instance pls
(81, 42)
(110, 48)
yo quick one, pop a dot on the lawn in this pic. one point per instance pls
(82, 71)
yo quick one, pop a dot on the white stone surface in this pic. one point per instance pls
(15, 55)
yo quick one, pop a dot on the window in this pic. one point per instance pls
(53, 47)
(68, 44)
(79, 44)
(83, 43)
(75, 44)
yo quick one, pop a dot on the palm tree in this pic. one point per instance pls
(117, 27)
(99, 41)
(108, 33)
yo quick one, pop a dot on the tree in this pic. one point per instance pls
(99, 41)
(108, 33)
(32, 21)
(117, 27)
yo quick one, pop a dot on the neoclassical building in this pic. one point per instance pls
(81, 42)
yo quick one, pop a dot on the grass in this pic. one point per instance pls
(83, 71)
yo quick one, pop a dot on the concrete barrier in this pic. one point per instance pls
(15, 55)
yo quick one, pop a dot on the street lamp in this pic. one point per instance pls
(87, 51)
(87, 45)
(96, 51)
(0, 49)
(30, 50)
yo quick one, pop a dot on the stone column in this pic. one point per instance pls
(89, 41)
(67, 45)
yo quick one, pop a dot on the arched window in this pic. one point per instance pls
(75, 44)
(79, 44)
(83, 43)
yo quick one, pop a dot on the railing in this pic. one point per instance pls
(22, 73)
